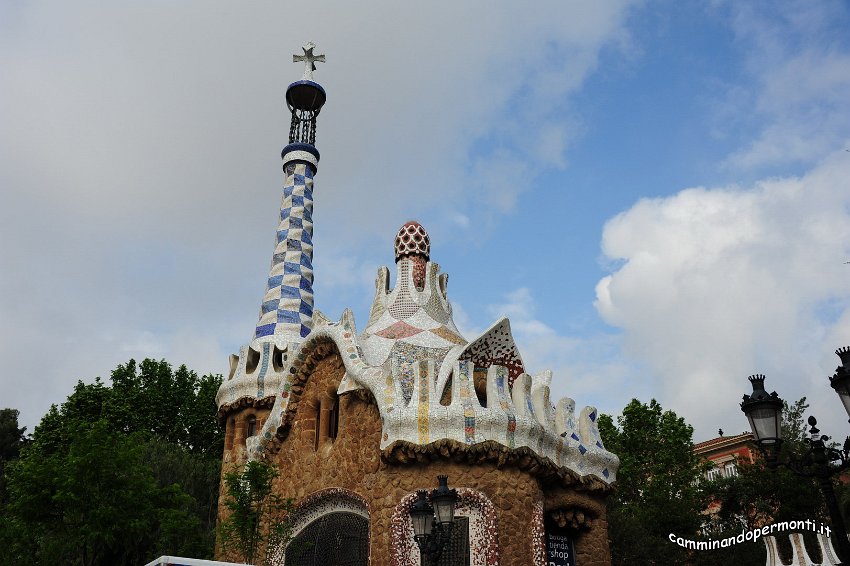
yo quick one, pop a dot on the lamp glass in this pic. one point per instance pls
(444, 508)
(422, 522)
(843, 390)
(765, 423)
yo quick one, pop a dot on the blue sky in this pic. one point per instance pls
(656, 193)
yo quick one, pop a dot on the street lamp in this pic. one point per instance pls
(432, 523)
(764, 411)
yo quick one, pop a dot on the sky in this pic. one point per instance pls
(657, 193)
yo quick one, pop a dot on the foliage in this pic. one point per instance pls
(257, 522)
(658, 490)
(97, 503)
(12, 439)
(175, 406)
(759, 495)
(118, 474)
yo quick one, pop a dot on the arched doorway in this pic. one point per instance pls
(338, 538)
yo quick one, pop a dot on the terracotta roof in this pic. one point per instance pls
(721, 440)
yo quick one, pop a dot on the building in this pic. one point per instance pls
(359, 421)
(724, 452)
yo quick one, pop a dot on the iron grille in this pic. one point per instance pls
(456, 551)
(334, 539)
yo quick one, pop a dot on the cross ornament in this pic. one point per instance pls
(309, 60)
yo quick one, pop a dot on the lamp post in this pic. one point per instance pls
(820, 461)
(432, 522)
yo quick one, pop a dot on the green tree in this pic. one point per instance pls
(257, 520)
(120, 473)
(759, 496)
(12, 439)
(658, 484)
(96, 503)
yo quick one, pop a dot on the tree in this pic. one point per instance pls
(658, 490)
(759, 496)
(257, 521)
(119, 474)
(97, 503)
(12, 439)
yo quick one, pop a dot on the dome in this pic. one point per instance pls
(412, 239)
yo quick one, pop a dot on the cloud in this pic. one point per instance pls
(589, 368)
(140, 169)
(794, 110)
(720, 283)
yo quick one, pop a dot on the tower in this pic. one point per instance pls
(286, 311)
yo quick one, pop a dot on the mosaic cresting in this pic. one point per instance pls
(750, 536)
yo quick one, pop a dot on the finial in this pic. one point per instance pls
(412, 239)
(844, 354)
(759, 393)
(309, 60)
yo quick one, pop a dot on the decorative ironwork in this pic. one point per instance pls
(303, 126)
(822, 460)
(456, 551)
(338, 539)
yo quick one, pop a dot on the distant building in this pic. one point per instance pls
(725, 452)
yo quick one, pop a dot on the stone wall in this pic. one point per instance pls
(310, 459)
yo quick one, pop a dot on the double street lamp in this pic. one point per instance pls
(432, 523)
(820, 461)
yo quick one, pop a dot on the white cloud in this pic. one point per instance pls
(721, 283)
(140, 169)
(589, 369)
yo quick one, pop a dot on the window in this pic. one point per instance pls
(317, 436)
(713, 474)
(252, 360)
(730, 471)
(338, 539)
(456, 552)
(333, 419)
(251, 428)
(231, 430)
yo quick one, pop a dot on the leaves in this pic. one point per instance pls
(658, 489)
(118, 474)
(257, 519)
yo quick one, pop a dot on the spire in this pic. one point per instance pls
(287, 309)
(305, 99)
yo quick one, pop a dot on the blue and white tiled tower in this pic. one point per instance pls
(286, 313)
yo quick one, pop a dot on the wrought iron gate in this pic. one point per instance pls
(456, 552)
(335, 539)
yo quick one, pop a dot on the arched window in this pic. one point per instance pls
(228, 438)
(251, 428)
(318, 436)
(330, 527)
(340, 538)
(333, 419)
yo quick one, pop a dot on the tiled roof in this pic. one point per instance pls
(722, 440)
